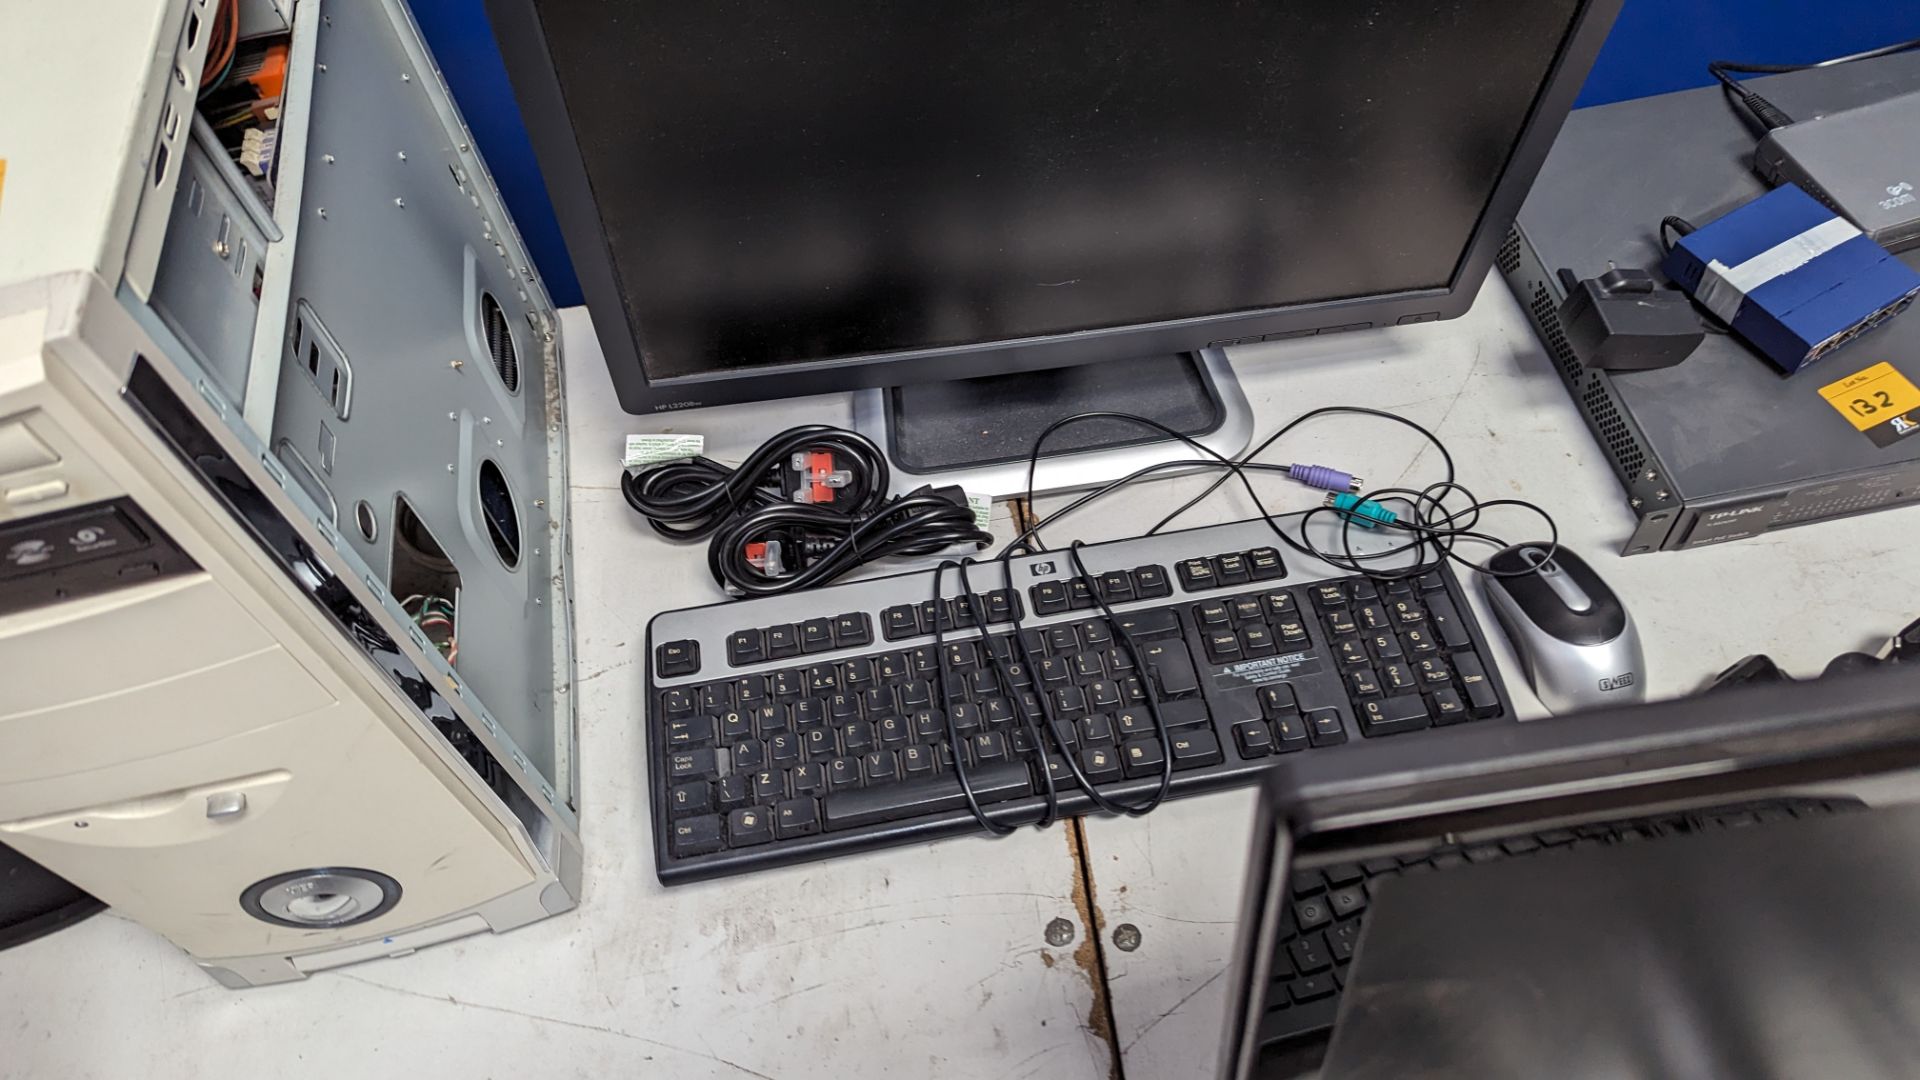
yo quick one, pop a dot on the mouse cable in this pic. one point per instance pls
(1314, 414)
(1434, 528)
(1427, 516)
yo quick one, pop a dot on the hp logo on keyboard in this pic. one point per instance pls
(1042, 569)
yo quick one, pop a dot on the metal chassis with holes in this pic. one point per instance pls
(258, 387)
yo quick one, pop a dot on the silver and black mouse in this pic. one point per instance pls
(1576, 643)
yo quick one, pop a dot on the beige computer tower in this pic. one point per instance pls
(284, 613)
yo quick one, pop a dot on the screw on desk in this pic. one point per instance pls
(1059, 932)
(1126, 937)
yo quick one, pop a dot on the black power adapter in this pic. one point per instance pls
(1624, 321)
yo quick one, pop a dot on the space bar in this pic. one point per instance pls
(917, 798)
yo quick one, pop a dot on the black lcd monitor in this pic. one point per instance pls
(1602, 875)
(767, 199)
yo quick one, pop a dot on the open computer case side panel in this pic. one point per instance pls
(269, 664)
(410, 394)
(404, 375)
(418, 389)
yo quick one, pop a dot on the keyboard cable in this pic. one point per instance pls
(944, 672)
(1003, 676)
(1051, 727)
(1050, 730)
(1146, 685)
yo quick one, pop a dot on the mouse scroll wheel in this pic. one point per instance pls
(1563, 585)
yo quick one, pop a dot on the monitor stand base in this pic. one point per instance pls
(978, 433)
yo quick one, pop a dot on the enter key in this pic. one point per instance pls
(1171, 668)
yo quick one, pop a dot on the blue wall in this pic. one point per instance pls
(1662, 45)
(1656, 46)
(462, 42)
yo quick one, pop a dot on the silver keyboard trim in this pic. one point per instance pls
(711, 625)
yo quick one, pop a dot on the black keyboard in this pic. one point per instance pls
(789, 728)
(1320, 930)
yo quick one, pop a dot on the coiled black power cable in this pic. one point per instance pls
(688, 500)
(831, 543)
(766, 542)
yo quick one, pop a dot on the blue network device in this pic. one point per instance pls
(1791, 277)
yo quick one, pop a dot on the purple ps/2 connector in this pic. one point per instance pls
(1324, 478)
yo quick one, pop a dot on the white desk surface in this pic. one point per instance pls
(925, 961)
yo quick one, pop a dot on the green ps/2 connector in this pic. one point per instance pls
(1365, 513)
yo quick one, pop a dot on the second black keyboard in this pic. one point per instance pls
(795, 727)
(1319, 930)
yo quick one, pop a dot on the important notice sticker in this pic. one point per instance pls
(1880, 401)
(1273, 668)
